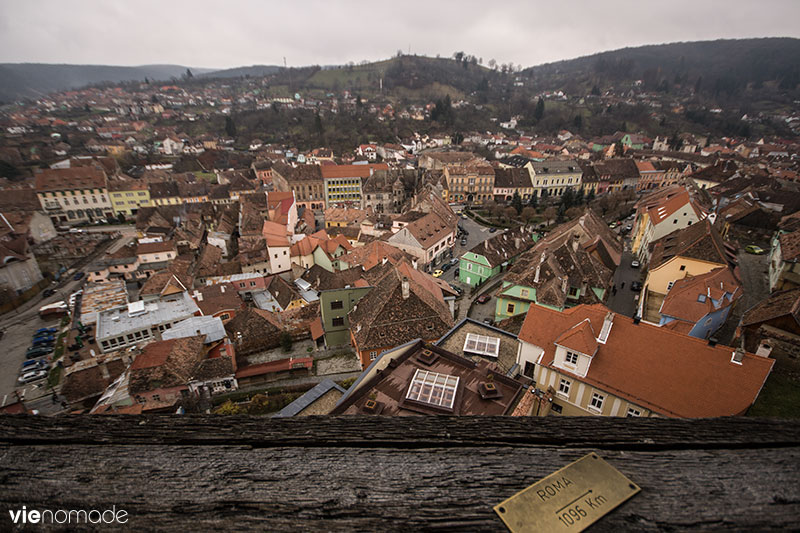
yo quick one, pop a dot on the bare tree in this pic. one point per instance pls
(550, 214)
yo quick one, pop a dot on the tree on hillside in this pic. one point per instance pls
(188, 74)
(538, 113)
(230, 127)
(492, 64)
(458, 56)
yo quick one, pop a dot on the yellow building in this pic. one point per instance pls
(127, 196)
(692, 251)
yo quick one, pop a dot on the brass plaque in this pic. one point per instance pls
(570, 499)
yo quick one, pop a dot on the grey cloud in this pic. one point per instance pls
(204, 33)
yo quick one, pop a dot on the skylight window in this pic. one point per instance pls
(482, 345)
(432, 388)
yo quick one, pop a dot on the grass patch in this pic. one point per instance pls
(207, 176)
(779, 397)
(59, 351)
(54, 377)
(347, 383)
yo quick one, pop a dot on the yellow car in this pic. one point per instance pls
(437, 273)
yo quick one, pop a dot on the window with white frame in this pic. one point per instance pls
(571, 358)
(634, 412)
(433, 388)
(597, 401)
(563, 386)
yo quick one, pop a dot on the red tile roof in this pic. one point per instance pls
(580, 338)
(667, 372)
(61, 179)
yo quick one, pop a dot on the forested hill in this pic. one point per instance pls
(718, 68)
(34, 80)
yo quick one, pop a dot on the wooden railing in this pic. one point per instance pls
(384, 474)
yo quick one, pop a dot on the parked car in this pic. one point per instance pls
(43, 341)
(753, 249)
(628, 227)
(488, 321)
(463, 215)
(636, 286)
(483, 298)
(437, 273)
(455, 272)
(492, 230)
(45, 330)
(458, 289)
(612, 225)
(454, 261)
(33, 375)
(37, 351)
(463, 242)
(34, 364)
(47, 293)
(635, 263)
(446, 267)
(78, 275)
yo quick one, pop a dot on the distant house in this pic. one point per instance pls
(661, 213)
(784, 261)
(574, 264)
(772, 326)
(488, 258)
(19, 270)
(405, 304)
(692, 251)
(698, 306)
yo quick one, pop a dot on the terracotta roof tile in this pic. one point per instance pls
(667, 372)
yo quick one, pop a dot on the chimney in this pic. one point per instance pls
(222, 288)
(764, 350)
(414, 264)
(541, 260)
(406, 289)
(104, 371)
(712, 341)
(383, 261)
(637, 319)
(575, 242)
(737, 357)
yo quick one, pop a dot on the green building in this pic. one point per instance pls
(492, 256)
(334, 305)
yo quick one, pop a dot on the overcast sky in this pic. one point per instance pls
(228, 33)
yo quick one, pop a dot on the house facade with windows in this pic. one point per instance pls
(472, 183)
(588, 361)
(554, 176)
(74, 195)
(128, 196)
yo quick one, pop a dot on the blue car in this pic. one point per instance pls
(43, 341)
(34, 364)
(40, 331)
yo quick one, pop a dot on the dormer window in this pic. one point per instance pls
(571, 358)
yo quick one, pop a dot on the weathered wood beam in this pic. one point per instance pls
(377, 474)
